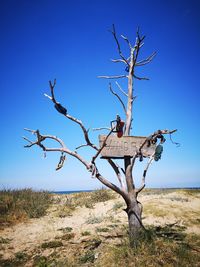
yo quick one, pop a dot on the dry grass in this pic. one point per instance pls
(18, 205)
(160, 246)
(69, 203)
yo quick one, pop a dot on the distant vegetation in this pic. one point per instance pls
(18, 205)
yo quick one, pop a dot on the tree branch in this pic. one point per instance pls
(121, 89)
(112, 77)
(62, 149)
(146, 61)
(144, 175)
(112, 186)
(58, 106)
(119, 98)
(118, 45)
(101, 128)
(140, 78)
(103, 145)
(127, 40)
(118, 61)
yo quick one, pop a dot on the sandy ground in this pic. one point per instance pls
(161, 209)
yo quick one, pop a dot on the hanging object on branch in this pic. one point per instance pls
(158, 152)
(61, 161)
(118, 127)
(60, 109)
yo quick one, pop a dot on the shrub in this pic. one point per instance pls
(118, 206)
(94, 219)
(68, 236)
(52, 244)
(89, 256)
(85, 233)
(102, 195)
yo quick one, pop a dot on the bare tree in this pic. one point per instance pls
(126, 187)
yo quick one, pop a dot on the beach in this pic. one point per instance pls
(68, 231)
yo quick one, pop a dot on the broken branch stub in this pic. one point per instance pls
(126, 146)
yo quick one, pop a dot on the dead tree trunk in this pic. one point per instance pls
(134, 208)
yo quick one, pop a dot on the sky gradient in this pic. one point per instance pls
(70, 41)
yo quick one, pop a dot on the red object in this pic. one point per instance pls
(120, 126)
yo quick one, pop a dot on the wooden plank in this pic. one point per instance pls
(124, 146)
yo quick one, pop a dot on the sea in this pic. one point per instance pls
(71, 191)
(166, 188)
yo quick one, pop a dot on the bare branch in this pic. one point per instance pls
(140, 39)
(146, 61)
(118, 61)
(62, 110)
(112, 186)
(103, 145)
(118, 45)
(120, 178)
(62, 149)
(121, 89)
(140, 78)
(113, 77)
(126, 39)
(48, 97)
(29, 130)
(25, 138)
(101, 128)
(52, 86)
(84, 145)
(144, 175)
(119, 98)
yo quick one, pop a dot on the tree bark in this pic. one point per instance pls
(134, 212)
(134, 208)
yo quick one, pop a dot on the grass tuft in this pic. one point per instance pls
(52, 244)
(94, 219)
(89, 256)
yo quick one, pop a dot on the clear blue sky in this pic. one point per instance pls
(70, 41)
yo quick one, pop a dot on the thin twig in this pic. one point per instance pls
(102, 146)
(119, 98)
(140, 78)
(113, 77)
(48, 96)
(121, 89)
(118, 61)
(127, 40)
(146, 61)
(101, 128)
(144, 175)
(84, 145)
(118, 45)
(79, 122)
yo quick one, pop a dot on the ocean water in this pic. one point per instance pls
(71, 192)
(167, 188)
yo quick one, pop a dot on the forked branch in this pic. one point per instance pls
(118, 45)
(62, 148)
(63, 111)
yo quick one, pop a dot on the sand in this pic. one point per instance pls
(159, 209)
